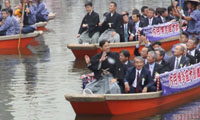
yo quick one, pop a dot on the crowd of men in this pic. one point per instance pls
(123, 27)
(10, 18)
(140, 75)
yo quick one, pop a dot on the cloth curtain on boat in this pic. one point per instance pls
(84, 38)
(102, 86)
(107, 35)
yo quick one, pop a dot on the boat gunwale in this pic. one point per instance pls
(106, 97)
(41, 24)
(29, 35)
(75, 46)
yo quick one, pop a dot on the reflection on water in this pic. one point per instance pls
(32, 87)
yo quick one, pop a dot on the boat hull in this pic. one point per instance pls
(10, 42)
(80, 51)
(143, 107)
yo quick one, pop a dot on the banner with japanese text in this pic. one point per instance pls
(161, 31)
(180, 80)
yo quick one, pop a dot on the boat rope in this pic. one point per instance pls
(21, 27)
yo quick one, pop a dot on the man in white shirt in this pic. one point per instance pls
(138, 79)
(178, 60)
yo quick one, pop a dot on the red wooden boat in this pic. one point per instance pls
(10, 42)
(131, 105)
(80, 50)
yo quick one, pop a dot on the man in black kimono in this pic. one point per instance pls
(106, 65)
(113, 25)
(88, 32)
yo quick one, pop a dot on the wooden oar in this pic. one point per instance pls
(21, 27)
(180, 19)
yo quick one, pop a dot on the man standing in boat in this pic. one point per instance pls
(108, 70)
(113, 25)
(88, 32)
(193, 27)
(138, 79)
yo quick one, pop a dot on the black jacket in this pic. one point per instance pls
(116, 22)
(116, 68)
(145, 77)
(92, 21)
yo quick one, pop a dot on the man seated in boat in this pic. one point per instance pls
(108, 70)
(136, 27)
(7, 4)
(178, 60)
(151, 19)
(144, 11)
(164, 16)
(193, 19)
(160, 52)
(29, 16)
(10, 25)
(88, 32)
(127, 27)
(138, 79)
(113, 25)
(154, 68)
(41, 11)
(192, 45)
(190, 57)
(145, 49)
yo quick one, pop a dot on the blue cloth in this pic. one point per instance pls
(41, 12)
(194, 25)
(11, 26)
(28, 29)
(31, 17)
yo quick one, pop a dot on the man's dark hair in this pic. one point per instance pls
(185, 34)
(4, 10)
(158, 10)
(88, 4)
(135, 11)
(157, 43)
(170, 8)
(102, 43)
(125, 53)
(161, 51)
(10, 11)
(126, 13)
(162, 10)
(143, 8)
(115, 4)
(137, 15)
(151, 9)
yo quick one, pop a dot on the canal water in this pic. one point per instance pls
(32, 87)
